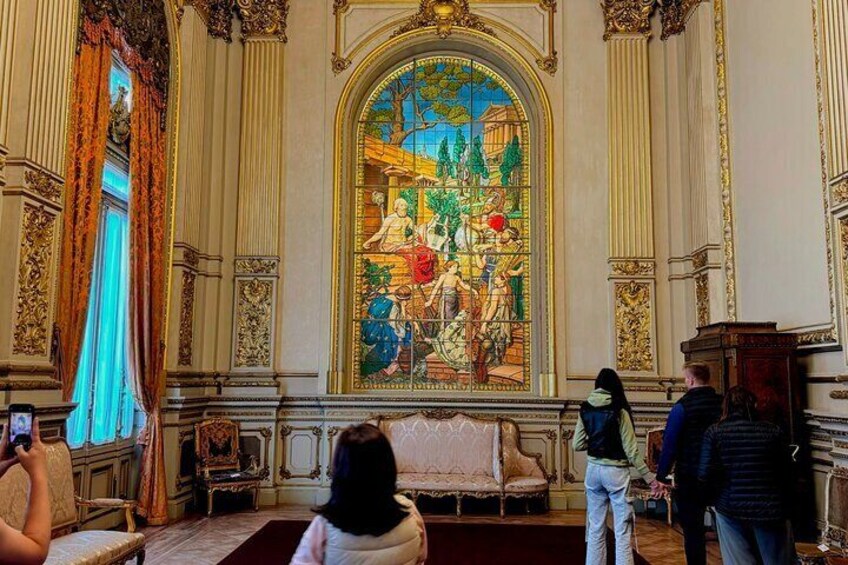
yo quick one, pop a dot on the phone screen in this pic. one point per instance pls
(20, 427)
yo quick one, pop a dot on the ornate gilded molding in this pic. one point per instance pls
(263, 18)
(338, 61)
(256, 265)
(550, 62)
(444, 15)
(44, 185)
(253, 322)
(315, 473)
(627, 16)
(30, 384)
(829, 334)
(191, 258)
(839, 394)
(186, 336)
(839, 191)
(632, 268)
(702, 299)
(674, 14)
(31, 334)
(217, 15)
(699, 260)
(633, 315)
(728, 245)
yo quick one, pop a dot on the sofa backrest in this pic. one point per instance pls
(459, 445)
(14, 489)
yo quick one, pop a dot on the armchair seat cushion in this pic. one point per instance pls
(231, 477)
(93, 547)
(442, 482)
(525, 485)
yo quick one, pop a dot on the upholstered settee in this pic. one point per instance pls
(453, 454)
(70, 546)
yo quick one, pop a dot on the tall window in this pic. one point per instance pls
(442, 243)
(105, 405)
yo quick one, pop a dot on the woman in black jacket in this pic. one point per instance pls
(746, 464)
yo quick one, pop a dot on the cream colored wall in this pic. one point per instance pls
(780, 221)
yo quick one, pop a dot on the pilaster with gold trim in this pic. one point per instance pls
(631, 235)
(36, 38)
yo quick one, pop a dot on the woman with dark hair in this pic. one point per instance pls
(365, 521)
(605, 430)
(746, 464)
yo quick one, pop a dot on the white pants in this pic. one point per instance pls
(604, 485)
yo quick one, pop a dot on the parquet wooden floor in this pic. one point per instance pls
(198, 540)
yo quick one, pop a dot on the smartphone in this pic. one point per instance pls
(20, 426)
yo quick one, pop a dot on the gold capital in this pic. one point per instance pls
(627, 16)
(263, 18)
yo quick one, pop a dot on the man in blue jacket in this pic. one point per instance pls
(688, 420)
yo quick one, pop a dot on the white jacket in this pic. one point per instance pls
(405, 544)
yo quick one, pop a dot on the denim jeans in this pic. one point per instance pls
(752, 543)
(607, 485)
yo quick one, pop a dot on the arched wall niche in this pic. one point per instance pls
(519, 74)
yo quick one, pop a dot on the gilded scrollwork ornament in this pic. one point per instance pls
(839, 191)
(263, 18)
(253, 323)
(633, 347)
(186, 335)
(627, 16)
(702, 299)
(31, 333)
(256, 265)
(632, 268)
(674, 14)
(444, 15)
(44, 185)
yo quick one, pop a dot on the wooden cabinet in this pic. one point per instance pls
(758, 357)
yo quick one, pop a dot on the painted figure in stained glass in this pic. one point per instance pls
(440, 290)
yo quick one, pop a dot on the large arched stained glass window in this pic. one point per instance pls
(442, 252)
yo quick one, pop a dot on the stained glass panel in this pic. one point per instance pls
(442, 232)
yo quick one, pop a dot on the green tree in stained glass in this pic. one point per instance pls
(512, 158)
(459, 147)
(444, 167)
(476, 162)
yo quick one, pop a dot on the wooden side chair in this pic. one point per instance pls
(218, 463)
(638, 488)
(835, 532)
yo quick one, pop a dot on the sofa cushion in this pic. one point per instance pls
(444, 482)
(525, 484)
(92, 547)
(459, 445)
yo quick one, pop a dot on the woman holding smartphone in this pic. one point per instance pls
(364, 521)
(29, 546)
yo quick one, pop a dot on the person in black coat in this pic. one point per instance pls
(746, 467)
(687, 422)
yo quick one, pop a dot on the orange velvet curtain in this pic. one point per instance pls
(83, 177)
(147, 292)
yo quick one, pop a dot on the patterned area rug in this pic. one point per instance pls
(449, 544)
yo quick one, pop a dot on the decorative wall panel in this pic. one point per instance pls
(185, 354)
(254, 307)
(31, 336)
(442, 232)
(634, 349)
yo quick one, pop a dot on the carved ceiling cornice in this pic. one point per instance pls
(260, 18)
(444, 15)
(627, 16)
(674, 15)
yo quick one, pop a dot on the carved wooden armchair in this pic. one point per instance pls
(834, 543)
(218, 462)
(653, 447)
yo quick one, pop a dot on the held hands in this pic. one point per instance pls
(6, 461)
(33, 461)
(658, 489)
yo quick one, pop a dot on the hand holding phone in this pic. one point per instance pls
(20, 426)
(7, 460)
(34, 458)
